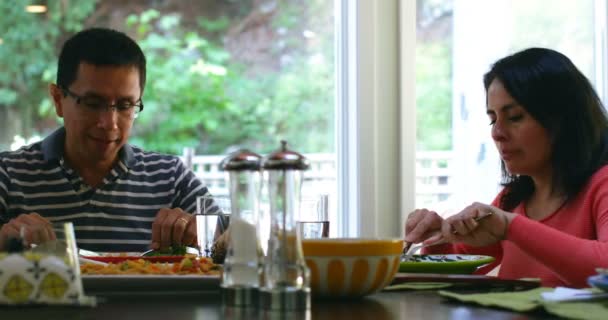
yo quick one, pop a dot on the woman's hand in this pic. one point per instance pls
(423, 225)
(462, 226)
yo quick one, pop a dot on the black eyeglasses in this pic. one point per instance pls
(97, 105)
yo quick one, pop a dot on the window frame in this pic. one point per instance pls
(375, 52)
(601, 49)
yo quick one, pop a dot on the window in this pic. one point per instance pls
(457, 41)
(374, 115)
(221, 75)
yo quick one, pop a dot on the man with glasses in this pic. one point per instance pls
(119, 197)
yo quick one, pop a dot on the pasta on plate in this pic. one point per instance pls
(190, 265)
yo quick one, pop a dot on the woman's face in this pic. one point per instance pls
(523, 143)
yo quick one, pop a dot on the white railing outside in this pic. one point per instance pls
(433, 174)
(434, 177)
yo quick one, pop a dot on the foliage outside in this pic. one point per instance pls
(433, 96)
(434, 75)
(28, 63)
(196, 94)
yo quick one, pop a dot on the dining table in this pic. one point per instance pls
(207, 304)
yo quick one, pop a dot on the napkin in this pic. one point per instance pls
(568, 294)
(523, 301)
(520, 301)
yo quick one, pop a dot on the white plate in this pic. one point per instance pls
(130, 283)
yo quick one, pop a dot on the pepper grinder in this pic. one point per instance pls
(286, 278)
(243, 266)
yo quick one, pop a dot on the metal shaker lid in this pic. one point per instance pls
(241, 160)
(285, 159)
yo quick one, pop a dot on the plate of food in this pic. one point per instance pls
(123, 258)
(124, 284)
(169, 255)
(444, 263)
(188, 274)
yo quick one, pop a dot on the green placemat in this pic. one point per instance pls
(524, 301)
(520, 301)
(591, 310)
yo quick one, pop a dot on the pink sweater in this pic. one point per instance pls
(562, 249)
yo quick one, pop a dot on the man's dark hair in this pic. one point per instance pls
(555, 93)
(99, 47)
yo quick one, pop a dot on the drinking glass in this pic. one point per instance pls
(212, 218)
(51, 268)
(314, 221)
(63, 247)
(63, 244)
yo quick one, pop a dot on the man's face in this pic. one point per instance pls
(96, 137)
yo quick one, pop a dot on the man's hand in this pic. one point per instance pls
(31, 228)
(172, 227)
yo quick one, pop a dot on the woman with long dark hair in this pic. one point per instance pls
(550, 221)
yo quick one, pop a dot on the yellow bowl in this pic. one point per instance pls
(349, 267)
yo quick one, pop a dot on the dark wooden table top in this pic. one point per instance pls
(207, 305)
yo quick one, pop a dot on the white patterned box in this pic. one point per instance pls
(35, 278)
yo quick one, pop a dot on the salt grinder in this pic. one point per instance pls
(286, 278)
(243, 265)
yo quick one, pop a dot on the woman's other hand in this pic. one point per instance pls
(463, 227)
(423, 225)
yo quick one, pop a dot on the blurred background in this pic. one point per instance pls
(224, 74)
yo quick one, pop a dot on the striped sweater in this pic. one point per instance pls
(115, 216)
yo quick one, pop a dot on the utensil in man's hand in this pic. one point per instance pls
(177, 251)
(409, 250)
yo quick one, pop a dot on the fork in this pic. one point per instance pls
(409, 250)
(151, 251)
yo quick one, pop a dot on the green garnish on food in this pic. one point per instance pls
(186, 264)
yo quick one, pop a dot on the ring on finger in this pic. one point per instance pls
(184, 220)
